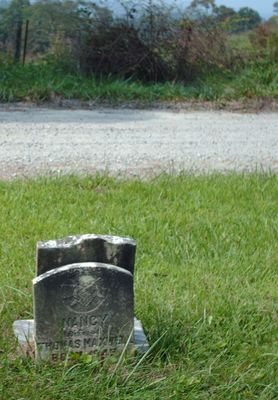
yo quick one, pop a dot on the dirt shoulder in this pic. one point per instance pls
(239, 106)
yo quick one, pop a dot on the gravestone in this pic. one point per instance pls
(82, 308)
(105, 249)
(83, 298)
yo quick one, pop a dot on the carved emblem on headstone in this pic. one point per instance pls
(86, 297)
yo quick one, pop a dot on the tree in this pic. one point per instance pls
(275, 7)
(50, 19)
(202, 8)
(248, 19)
(11, 24)
(223, 13)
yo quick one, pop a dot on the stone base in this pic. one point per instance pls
(24, 332)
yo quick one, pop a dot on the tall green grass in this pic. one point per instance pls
(44, 81)
(205, 284)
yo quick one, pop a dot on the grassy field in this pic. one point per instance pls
(43, 82)
(205, 284)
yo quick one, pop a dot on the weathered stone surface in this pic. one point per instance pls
(82, 308)
(24, 332)
(106, 249)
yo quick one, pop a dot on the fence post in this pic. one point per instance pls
(25, 41)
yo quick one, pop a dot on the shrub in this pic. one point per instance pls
(148, 43)
(119, 50)
(265, 40)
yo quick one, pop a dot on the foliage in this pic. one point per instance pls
(265, 40)
(11, 25)
(199, 9)
(223, 13)
(248, 19)
(206, 279)
(49, 81)
(226, 17)
(150, 42)
(120, 51)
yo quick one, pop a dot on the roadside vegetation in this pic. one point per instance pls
(149, 52)
(205, 284)
(39, 82)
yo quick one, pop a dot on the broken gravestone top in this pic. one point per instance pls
(118, 251)
(85, 307)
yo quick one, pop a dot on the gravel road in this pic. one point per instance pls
(135, 142)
